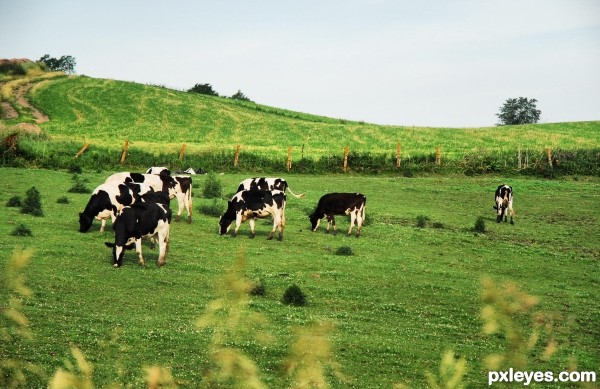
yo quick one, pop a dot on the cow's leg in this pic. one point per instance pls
(333, 224)
(359, 221)
(277, 223)
(188, 206)
(163, 245)
(103, 223)
(138, 250)
(238, 223)
(282, 223)
(328, 223)
(251, 222)
(180, 206)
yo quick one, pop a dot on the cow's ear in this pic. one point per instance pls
(109, 244)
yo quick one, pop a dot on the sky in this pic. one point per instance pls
(393, 62)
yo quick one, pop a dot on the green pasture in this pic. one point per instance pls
(404, 298)
(107, 112)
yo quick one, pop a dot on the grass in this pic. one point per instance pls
(406, 296)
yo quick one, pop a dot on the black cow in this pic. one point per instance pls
(176, 186)
(253, 204)
(331, 204)
(266, 183)
(503, 199)
(108, 199)
(136, 222)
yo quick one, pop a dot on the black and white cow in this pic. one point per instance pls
(136, 222)
(176, 186)
(253, 204)
(504, 199)
(160, 170)
(108, 199)
(331, 204)
(266, 183)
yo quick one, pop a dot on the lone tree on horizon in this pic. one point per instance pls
(203, 89)
(66, 63)
(519, 111)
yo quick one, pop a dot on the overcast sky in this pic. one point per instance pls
(425, 63)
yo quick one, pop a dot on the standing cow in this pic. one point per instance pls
(504, 199)
(176, 186)
(253, 204)
(331, 204)
(267, 183)
(136, 222)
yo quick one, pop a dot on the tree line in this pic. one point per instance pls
(207, 89)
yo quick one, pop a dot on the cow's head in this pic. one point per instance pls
(85, 222)
(118, 252)
(314, 221)
(224, 224)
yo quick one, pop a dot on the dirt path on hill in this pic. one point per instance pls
(21, 100)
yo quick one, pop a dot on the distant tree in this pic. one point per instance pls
(203, 89)
(66, 63)
(240, 96)
(519, 111)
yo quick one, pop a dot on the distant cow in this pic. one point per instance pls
(136, 222)
(160, 170)
(504, 199)
(266, 183)
(108, 199)
(331, 204)
(177, 186)
(253, 204)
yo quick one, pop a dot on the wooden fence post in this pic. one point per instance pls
(85, 146)
(125, 147)
(549, 155)
(289, 159)
(182, 151)
(519, 165)
(438, 155)
(237, 156)
(398, 155)
(346, 159)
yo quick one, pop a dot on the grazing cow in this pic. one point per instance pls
(108, 199)
(160, 170)
(176, 186)
(504, 198)
(266, 183)
(331, 204)
(253, 204)
(136, 222)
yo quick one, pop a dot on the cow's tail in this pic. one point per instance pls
(363, 209)
(298, 196)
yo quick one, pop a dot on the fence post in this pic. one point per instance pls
(438, 155)
(398, 155)
(289, 159)
(237, 156)
(346, 159)
(125, 147)
(85, 146)
(549, 155)
(182, 151)
(519, 159)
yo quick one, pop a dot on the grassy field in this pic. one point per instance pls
(405, 297)
(106, 112)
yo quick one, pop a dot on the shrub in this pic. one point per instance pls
(74, 168)
(14, 201)
(479, 225)
(344, 250)
(438, 225)
(259, 288)
(294, 296)
(215, 209)
(212, 187)
(21, 230)
(63, 200)
(80, 185)
(33, 203)
(422, 221)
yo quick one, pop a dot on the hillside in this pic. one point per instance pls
(105, 113)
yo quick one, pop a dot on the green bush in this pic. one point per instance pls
(21, 230)
(63, 200)
(33, 203)
(294, 296)
(212, 187)
(14, 201)
(259, 288)
(479, 225)
(215, 209)
(422, 221)
(80, 185)
(344, 250)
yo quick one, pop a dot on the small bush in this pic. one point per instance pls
(74, 168)
(259, 288)
(344, 250)
(422, 221)
(215, 209)
(63, 200)
(438, 225)
(80, 185)
(479, 225)
(212, 187)
(294, 296)
(21, 230)
(14, 201)
(33, 203)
